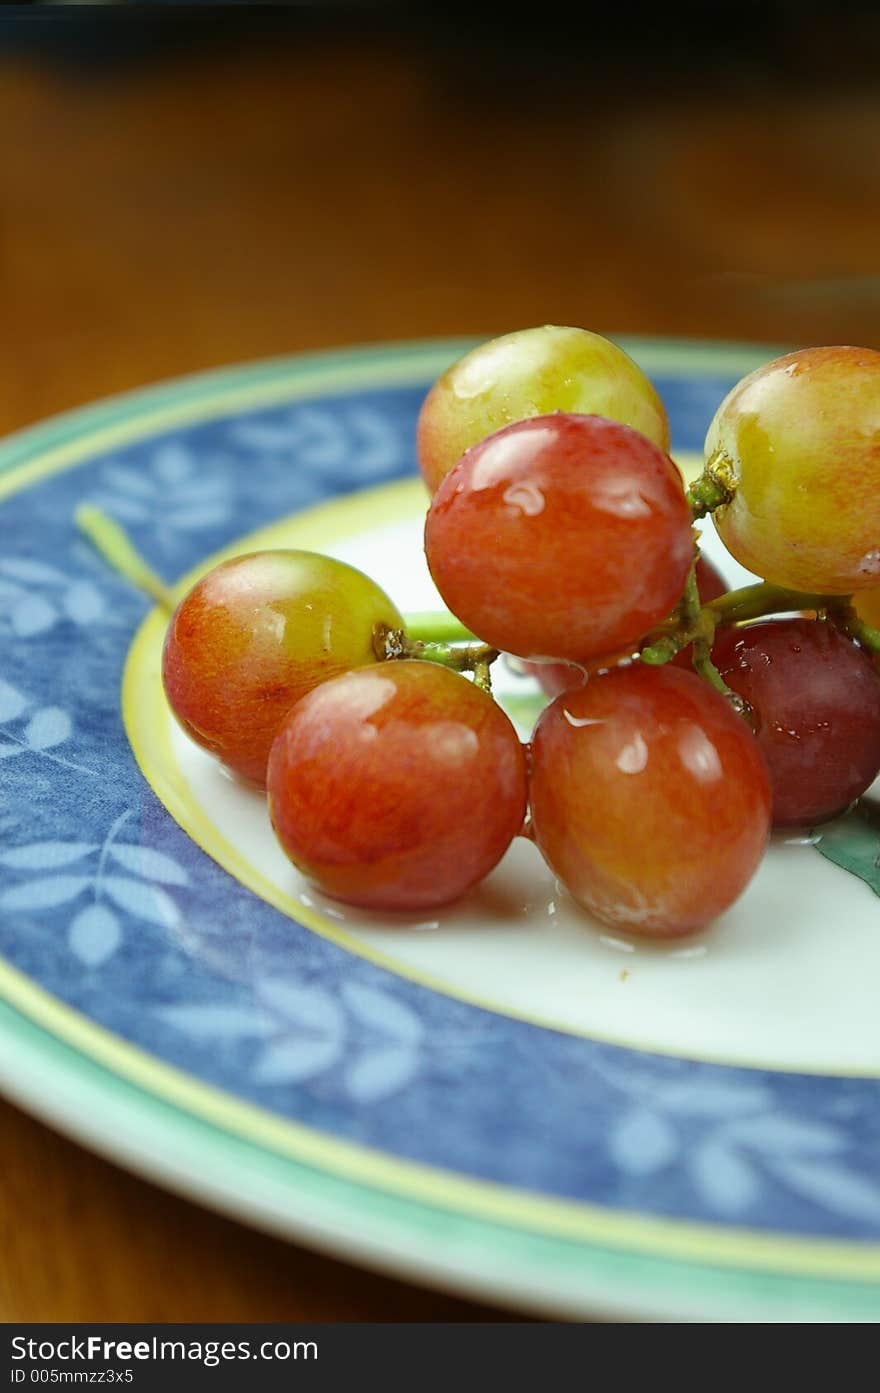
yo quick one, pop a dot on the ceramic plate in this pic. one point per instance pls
(502, 1099)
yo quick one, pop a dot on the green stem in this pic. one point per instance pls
(437, 626)
(114, 546)
(844, 616)
(714, 487)
(708, 671)
(751, 602)
(689, 624)
(754, 601)
(391, 644)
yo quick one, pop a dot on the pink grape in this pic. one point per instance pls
(254, 635)
(563, 677)
(650, 799)
(397, 787)
(561, 537)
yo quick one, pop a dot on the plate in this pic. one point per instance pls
(503, 1099)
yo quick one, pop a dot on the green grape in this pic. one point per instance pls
(799, 443)
(530, 373)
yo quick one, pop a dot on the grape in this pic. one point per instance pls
(564, 677)
(801, 439)
(560, 537)
(650, 799)
(397, 787)
(530, 373)
(257, 633)
(816, 703)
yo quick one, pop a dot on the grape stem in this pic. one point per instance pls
(844, 616)
(695, 624)
(112, 543)
(390, 644)
(437, 626)
(714, 487)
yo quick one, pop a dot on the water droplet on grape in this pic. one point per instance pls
(870, 563)
(527, 497)
(577, 722)
(633, 757)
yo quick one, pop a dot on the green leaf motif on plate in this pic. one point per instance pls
(853, 842)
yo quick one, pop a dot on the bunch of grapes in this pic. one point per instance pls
(685, 721)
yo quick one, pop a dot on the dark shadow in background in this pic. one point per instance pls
(509, 57)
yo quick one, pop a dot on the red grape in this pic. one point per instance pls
(564, 677)
(816, 702)
(397, 787)
(256, 634)
(562, 536)
(650, 799)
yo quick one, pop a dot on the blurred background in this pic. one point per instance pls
(188, 186)
(182, 187)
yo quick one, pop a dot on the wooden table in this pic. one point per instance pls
(264, 197)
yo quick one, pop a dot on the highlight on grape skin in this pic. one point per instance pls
(255, 634)
(530, 373)
(563, 536)
(397, 788)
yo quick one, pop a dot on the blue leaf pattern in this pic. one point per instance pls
(129, 482)
(211, 1022)
(95, 934)
(83, 602)
(296, 1060)
(643, 1142)
(125, 509)
(12, 702)
(142, 900)
(147, 862)
(771, 1133)
(713, 1100)
(48, 728)
(32, 615)
(305, 1006)
(46, 856)
(379, 1073)
(31, 572)
(172, 463)
(725, 1178)
(44, 894)
(382, 1012)
(834, 1187)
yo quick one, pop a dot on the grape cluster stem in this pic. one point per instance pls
(714, 488)
(460, 657)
